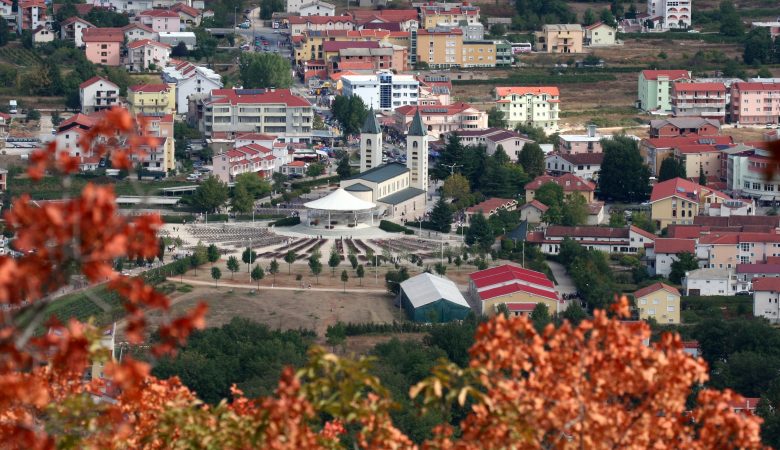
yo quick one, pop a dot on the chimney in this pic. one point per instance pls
(591, 130)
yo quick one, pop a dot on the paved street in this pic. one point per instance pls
(564, 282)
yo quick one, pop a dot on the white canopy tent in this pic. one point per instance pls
(342, 203)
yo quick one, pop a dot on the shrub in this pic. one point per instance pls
(392, 227)
(287, 221)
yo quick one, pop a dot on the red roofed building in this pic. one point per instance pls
(31, 14)
(537, 106)
(299, 25)
(665, 251)
(677, 126)
(160, 20)
(766, 298)
(188, 16)
(747, 405)
(655, 88)
(228, 113)
(533, 212)
(660, 302)
(145, 54)
(699, 99)
(518, 288)
(252, 158)
(440, 120)
(490, 207)
(406, 19)
(655, 150)
(755, 103)
(678, 201)
(152, 98)
(727, 250)
(97, 94)
(104, 45)
(606, 239)
(72, 29)
(570, 183)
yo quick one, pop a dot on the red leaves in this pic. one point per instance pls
(179, 329)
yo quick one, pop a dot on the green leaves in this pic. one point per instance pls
(264, 70)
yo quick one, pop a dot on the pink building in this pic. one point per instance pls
(160, 20)
(440, 120)
(252, 158)
(726, 250)
(755, 103)
(104, 45)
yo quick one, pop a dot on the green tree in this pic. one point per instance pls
(480, 233)
(56, 85)
(33, 114)
(350, 112)
(440, 268)
(643, 221)
(242, 201)
(216, 274)
(257, 274)
(315, 266)
(4, 33)
(161, 249)
(334, 260)
(180, 51)
(264, 70)
(344, 170)
(254, 185)
(608, 18)
(344, 279)
(248, 256)
(624, 175)
(551, 195)
(314, 170)
(671, 167)
(496, 118)
(233, 266)
(457, 188)
(441, 216)
(685, 262)
(574, 313)
(730, 22)
(181, 268)
(617, 219)
(290, 258)
(394, 278)
(269, 7)
(273, 268)
(199, 257)
(360, 272)
(210, 195)
(540, 316)
(758, 47)
(574, 211)
(588, 17)
(335, 335)
(498, 29)
(702, 177)
(212, 254)
(532, 159)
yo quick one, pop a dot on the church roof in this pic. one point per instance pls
(370, 126)
(357, 187)
(401, 196)
(382, 173)
(417, 128)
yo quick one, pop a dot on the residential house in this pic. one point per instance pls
(103, 45)
(727, 249)
(5, 123)
(736, 207)
(97, 94)
(157, 124)
(31, 14)
(581, 143)
(570, 183)
(518, 288)
(174, 38)
(630, 240)
(537, 106)
(383, 91)
(299, 25)
(755, 103)
(680, 126)
(746, 273)
(700, 148)
(156, 156)
(189, 17)
(388, 19)
(295, 168)
(533, 212)
(42, 35)
(7, 12)
(511, 141)
(227, 113)
(435, 89)
(707, 100)
(773, 27)
(137, 31)
(160, 20)
(655, 89)
(440, 120)
(660, 302)
(745, 174)
(747, 406)
(600, 35)
(250, 158)
(478, 53)
(583, 165)
(678, 201)
(670, 13)
(317, 8)
(433, 14)
(72, 29)
(707, 282)
(666, 251)
(491, 207)
(128, 6)
(766, 298)
(190, 80)
(560, 38)
(146, 55)
(152, 98)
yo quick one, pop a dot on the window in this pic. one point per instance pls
(655, 301)
(651, 312)
(670, 309)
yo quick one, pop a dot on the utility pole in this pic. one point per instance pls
(452, 167)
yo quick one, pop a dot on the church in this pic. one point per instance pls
(399, 191)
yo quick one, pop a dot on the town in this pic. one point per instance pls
(383, 178)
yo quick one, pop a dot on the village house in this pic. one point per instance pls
(664, 252)
(137, 31)
(584, 165)
(655, 88)
(660, 302)
(72, 29)
(678, 201)
(600, 35)
(251, 158)
(104, 45)
(706, 282)
(560, 38)
(581, 143)
(97, 94)
(766, 299)
(706, 100)
(490, 207)
(629, 240)
(570, 183)
(152, 98)
(518, 288)
(442, 119)
(146, 55)
(160, 20)
(191, 81)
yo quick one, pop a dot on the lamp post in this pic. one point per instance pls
(235, 17)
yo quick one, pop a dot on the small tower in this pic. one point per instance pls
(417, 153)
(370, 143)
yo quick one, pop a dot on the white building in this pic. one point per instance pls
(706, 282)
(536, 106)
(97, 94)
(664, 252)
(43, 35)
(137, 31)
(128, 6)
(671, 13)
(600, 35)
(146, 55)
(384, 91)
(317, 8)
(173, 38)
(190, 80)
(766, 298)
(250, 158)
(370, 143)
(746, 273)
(745, 175)
(585, 165)
(72, 29)
(511, 141)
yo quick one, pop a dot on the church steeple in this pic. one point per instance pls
(370, 125)
(417, 128)
(417, 153)
(370, 142)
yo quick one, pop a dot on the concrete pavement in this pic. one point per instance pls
(564, 283)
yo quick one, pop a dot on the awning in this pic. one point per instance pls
(767, 198)
(340, 200)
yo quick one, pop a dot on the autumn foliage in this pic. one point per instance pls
(593, 386)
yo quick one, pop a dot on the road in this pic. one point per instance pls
(564, 283)
(275, 39)
(227, 283)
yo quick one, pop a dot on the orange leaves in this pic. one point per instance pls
(180, 328)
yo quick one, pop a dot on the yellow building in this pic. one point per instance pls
(310, 45)
(565, 38)
(678, 201)
(660, 302)
(696, 159)
(479, 54)
(440, 48)
(152, 99)
(519, 289)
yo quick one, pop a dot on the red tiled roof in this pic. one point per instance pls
(772, 221)
(736, 238)
(285, 96)
(334, 46)
(643, 233)
(766, 284)
(584, 158)
(674, 246)
(158, 13)
(699, 87)
(671, 74)
(388, 15)
(94, 80)
(759, 268)
(568, 182)
(144, 42)
(524, 90)
(73, 19)
(677, 141)
(103, 35)
(138, 25)
(755, 86)
(158, 87)
(190, 11)
(587, 231)
(682, 188)
(656, 287)
(255, 137)
(318, 20)
(516, 287)
(536, 204)
(296, 164)
(486, 277)
(356, 65)
(490, 204)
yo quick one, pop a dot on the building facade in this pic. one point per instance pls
(152, 99)
(655, 88)
(146, 55)
(104, 45)
(534, 106)
(671, 13)
(191, 80)
(560, 38)
(699, 99)
(97, 94)
(755, 103)
(384, 91)
(660, 302)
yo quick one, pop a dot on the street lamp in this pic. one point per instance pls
(235, 17)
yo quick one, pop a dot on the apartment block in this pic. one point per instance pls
(755, 103)
(671, 13)
(535, 106)
(384, 91)
(655, 88)
(699, 99)
(432, 15)
(97, 94)
(478, 54)
(440, 119)
(560, 38)
(104, 45)
(440, 48)
(152, 98)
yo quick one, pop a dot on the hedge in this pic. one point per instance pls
(178, 219)
(312, 183)
(706, 37)
(392, 227)
(287, 221)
